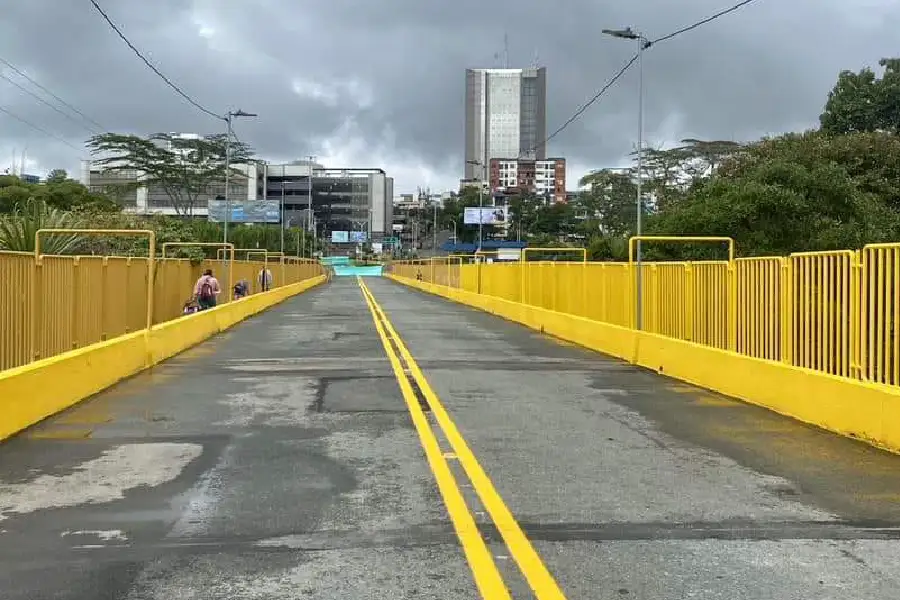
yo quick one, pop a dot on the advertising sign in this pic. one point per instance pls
(358, 236)
(340, 237)
(489, 215)
(246, 211)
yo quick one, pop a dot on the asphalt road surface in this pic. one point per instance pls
(388, 444)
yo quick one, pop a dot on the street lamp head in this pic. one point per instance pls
(626, 33)
(240, 113)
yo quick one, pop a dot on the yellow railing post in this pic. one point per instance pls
(787, 311)
(732, 303)
(857, 316)
(689, 302)
(37, 307)
(75, 303)
(104, 287)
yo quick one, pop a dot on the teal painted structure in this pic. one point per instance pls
(353, 271)
(335, 260)
(343, 267)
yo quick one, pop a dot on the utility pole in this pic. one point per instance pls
(310, 226)
(434, 231)
(480, 199)
(228, 133)
(282, 209)
(227, 170)
(643, 44)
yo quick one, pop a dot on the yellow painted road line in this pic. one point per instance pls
(533, 568)
(484, 570)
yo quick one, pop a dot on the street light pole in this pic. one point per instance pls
(309, 208)
(228, 133)
(434, 230)
(282, 210)
(481, 207)
(227, 170)
(480, 199)
(643, 44)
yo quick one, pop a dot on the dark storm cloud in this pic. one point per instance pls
(385, 79)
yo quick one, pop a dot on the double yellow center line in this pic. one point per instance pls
(484, 570)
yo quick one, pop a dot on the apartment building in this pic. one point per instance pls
(545, 178)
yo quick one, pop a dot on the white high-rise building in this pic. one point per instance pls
(506, 116)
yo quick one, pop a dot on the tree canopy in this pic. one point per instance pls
(57, 192)
(183, 168)
(861, 102)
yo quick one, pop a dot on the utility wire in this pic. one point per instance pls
(42, 101)
(42, 130)
(632, 60)
(702, 22)
(168, 81)
(57, 98)
(588, 104)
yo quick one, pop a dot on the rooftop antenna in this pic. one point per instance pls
(505, 50)
(536, 60)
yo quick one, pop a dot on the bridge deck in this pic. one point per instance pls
(279, 460)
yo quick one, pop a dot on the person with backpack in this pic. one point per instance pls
(206, 290)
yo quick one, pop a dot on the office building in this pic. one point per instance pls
(506, 116)
(343, 200)
(545, 178)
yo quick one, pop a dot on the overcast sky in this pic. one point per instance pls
(381, 83)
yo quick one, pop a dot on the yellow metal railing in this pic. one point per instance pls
(52, 304)
(835, 312)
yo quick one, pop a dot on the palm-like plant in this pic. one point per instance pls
(17, 229)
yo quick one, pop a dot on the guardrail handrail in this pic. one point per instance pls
(151, 257)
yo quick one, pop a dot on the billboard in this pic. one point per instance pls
(490, 215)
(246, 211)
(340, 237)
(358, 236)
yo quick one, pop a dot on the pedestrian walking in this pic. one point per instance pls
(206, 290)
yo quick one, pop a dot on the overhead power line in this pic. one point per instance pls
(588, 104)
(40, 129)
(702, 22)
(632, 60)
(150, 65)
(54, 96)
(42, 101)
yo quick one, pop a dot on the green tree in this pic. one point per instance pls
(797, 192)
(607, 247)
(57, 176)
(610, 200)
(183, 168)
(861, 102)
